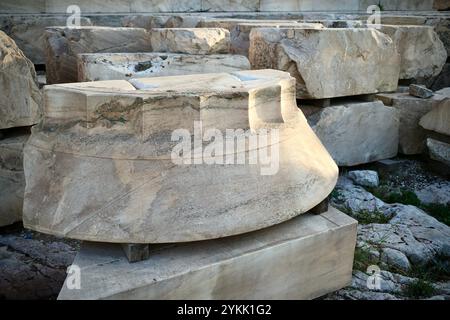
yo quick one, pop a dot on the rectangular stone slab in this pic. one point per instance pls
(190, 40)
(328, 63)
(116, 66)
(63, 44)
(303, 258)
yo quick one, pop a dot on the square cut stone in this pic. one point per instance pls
(303, 258)
(115, 66)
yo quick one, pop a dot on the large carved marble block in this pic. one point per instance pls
(359, 132)
(328, 62)
(438, 119)
(303, 258)
(20, 102)
(63, 44)
(100, 166)
(12, 180)
(422, 53)
(240, 29)
(118, 66)
(190, 40)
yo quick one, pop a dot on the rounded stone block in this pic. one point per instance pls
(101, 165)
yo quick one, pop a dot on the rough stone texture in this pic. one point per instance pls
(303, 258)
(410, 110)
(438, 119)
(438, 192)
(240, 30)
(420, 91)
(20, 102)
(12, 180)
(117, 66)
(352, 132)
(190, 40)
(102, 169)
(328, 62)
(422, 53)
(33, 266)
(29, 32)
(63, 44)
(439, 151)
(365, 178)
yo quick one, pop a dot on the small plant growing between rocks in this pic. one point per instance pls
(419, 289)
(363, 258)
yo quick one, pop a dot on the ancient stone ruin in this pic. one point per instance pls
(200, 150)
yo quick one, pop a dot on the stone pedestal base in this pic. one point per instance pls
(303, 258)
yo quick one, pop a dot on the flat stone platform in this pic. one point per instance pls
(303, 258)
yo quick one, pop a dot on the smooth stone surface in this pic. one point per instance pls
(396, 259)
(12, 180)
(365, 178)
(438, 119)
(439, 151)
(328, 62)
(410, 111)
(118, 66)
(303, 258)
(422, 53)
(99, 168)
(63, 44)
(20, 102)
(190, 40)
(357, 133)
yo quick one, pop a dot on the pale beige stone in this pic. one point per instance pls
(422, 53)
(190, 40)
(240, 29)
(410, 111)
(117, 66)
(438, 119)
(328, 62)
(357, 133)
(63, 44)
(20, 102)
(100, 168)
(12, 180)
(303, 258)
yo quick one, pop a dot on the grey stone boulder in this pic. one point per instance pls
(439, 151)
(365, 178)
(396, 259)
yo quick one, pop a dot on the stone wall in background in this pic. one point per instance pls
(127, 6)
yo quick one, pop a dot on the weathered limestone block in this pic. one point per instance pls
(29, 32)
(439, 151)
(240, 29)
(20, 102)
(12, 180)
(422, 53)
(190, 40)
(410, 111)
(118, 66)
(438, 119)
(303, 258)
(63, 44)
(328, 62)
(357, 133)
(104, 164)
